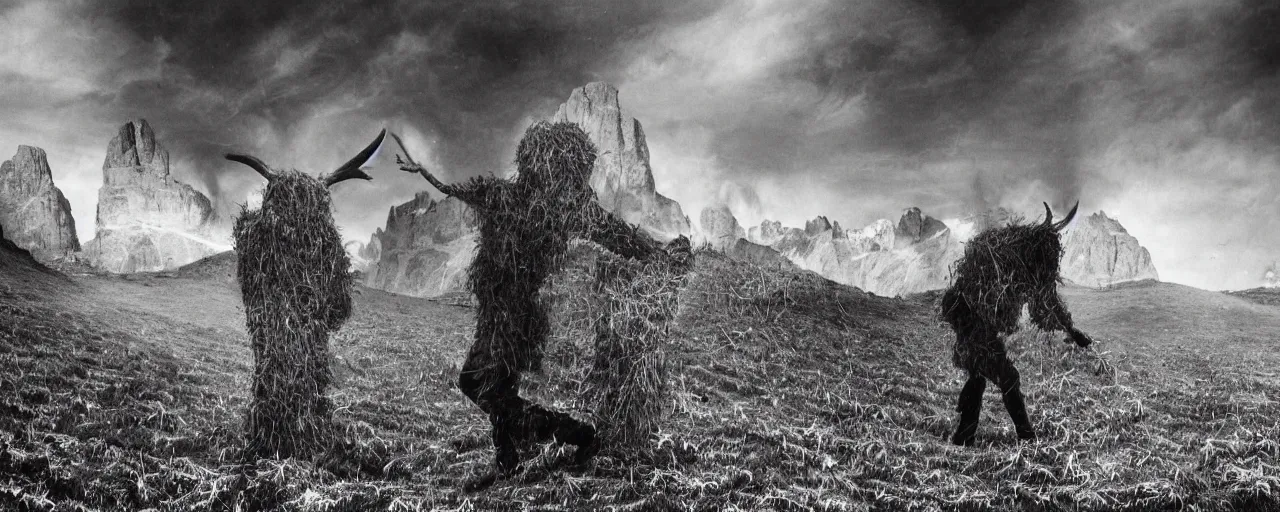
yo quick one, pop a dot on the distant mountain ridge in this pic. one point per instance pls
(147, 221)
(915, 254)
(427, 245)
(884, 258)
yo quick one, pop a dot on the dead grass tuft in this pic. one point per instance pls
(787, 392)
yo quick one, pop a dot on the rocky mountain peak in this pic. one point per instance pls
(425, 249)
(29, 168)
(1100, 220)
(767, 233)
(719, 228)
(837, 231)
(819, 224)
(914, 226)
(37, 215)
(623, 176)
(134, 151)
(147, 221)
(1099, 252)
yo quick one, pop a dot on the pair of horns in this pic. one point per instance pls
(1057, 226)
(349, 170)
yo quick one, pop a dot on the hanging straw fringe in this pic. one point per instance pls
(1002, 269)
(296, 289)
(635, 303)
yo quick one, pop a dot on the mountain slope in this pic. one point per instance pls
(789, 391)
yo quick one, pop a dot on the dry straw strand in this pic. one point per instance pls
(296, 289)
(1001, 270)
(636, 301)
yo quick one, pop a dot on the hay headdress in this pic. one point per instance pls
(296, 288)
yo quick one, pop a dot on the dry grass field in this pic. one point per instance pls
(790, 393)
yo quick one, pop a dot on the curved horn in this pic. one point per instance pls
(1067, 220)
(1048, 214)
(257, 165)
(351, 169)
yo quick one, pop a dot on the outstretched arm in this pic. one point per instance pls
(1051, 314)
(469, 192)
(617, 235)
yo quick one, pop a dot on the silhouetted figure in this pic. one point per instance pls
(1002, 270)
(296, 287)
(525, 226)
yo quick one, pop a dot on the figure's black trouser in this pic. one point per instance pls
(496, 390)
(997, 367)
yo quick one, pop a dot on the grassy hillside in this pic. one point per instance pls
(1269, 296)
(791, 393)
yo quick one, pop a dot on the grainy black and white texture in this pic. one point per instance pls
(525, 227)
(293, 278)
(1003, 269)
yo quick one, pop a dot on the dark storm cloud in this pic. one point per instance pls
(1255, 45)
(480, 67)
(930, 77)
(1156, 109)
(302, 84)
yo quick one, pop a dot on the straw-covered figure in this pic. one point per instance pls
(526, 224)
(296, 288)
(635, 304)
(1002, 270)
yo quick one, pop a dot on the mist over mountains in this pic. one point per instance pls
(1158, 113)
(426, 244)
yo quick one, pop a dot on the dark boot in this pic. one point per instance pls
(969, 407)
(1011, 391)
(1017, 408)
(506, 457)
(582, 435)
(506, 453)
(564, 428)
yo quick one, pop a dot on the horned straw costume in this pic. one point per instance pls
(1003, 269)
(525, 226)
(296, 288)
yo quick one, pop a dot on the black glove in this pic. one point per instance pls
(1079, 337)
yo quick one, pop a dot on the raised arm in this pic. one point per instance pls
(470, 192)
(1050, 314)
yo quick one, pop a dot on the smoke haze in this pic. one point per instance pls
(1163, 113)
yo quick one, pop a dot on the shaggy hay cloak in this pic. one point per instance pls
(1003, 269)
(635, 303)
(543, 208)
(526, 225)
(296, 289)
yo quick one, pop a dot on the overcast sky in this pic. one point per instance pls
(1163, 113)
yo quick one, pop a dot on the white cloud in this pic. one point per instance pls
(1207, 212)
(69, 55)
